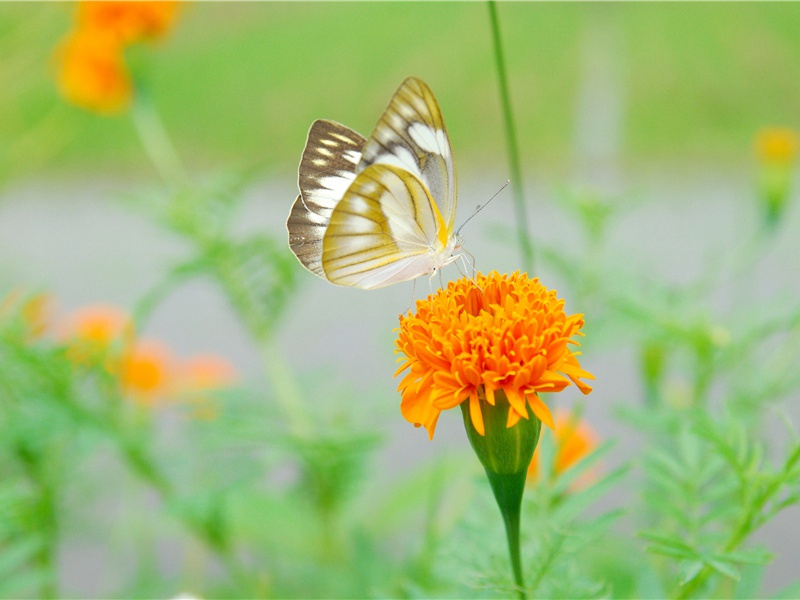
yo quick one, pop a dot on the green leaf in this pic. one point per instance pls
(690, 570)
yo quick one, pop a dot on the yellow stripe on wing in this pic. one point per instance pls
(386, 216)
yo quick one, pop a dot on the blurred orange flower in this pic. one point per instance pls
(92, 71)
(147, 372)
(199, 377)
(777, 145)
(483, 335)
(34, 310)
(94, 331)
(206, 372)
(128, 21)
(99, 324)
(573, 440)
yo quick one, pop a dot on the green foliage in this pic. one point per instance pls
(277, 490)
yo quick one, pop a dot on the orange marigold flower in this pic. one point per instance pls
(206, 372)
(199, 376)
(99, 325)
(92, 71)
(573, 440)
(777, 145)
(147, 371)
(128, 21)
(496, 332)
(34, 310)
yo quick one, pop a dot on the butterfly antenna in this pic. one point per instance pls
(480, 207)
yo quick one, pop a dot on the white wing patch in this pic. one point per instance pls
(430, 140)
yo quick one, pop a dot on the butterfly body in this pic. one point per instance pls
(379, 210)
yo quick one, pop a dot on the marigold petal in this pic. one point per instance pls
(541, 410)
(489, 392)
(475, 414)
(517, 402)
(513, 418)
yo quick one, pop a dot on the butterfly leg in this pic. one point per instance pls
(472, 260)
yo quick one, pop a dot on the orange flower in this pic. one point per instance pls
(147, 372)
(128, 21)
(34, 310)
(496, 332)
(99, 325)
(199, 375)
(777, 145)
(92, 72)
(573, 440)
(206, 372)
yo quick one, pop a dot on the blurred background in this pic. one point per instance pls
(652, 112)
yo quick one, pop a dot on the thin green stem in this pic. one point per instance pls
(512, 521)
(287, 394)
(523, 232)
(156, 142)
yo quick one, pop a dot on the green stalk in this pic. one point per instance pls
(523, 232)
(505, 453)
(156, 142)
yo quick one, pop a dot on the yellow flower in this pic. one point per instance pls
(128, 21)
(573, 440)
(147, 372)
(92, 71)
(476, 337)
(777, 145)
(33, 310)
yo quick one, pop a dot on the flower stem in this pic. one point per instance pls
(523, 232)
(508, 493)
(156, 142)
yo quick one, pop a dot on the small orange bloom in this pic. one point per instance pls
(573, 440)
(99, 325)
(92, 71)
(34, 310)
(777, 145)
(206, 372)
(496, 332)
(128, 21)
(147, 372)
(199, 377)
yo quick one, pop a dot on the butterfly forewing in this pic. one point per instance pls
(411, 135)
(327, 168)
(383, 230)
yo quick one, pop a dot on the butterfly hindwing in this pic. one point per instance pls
(383, 230)
(327, 168)
(411, 135)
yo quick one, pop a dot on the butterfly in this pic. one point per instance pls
(379, 210)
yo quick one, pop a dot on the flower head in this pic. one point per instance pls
(92, 71)
(199, 378)
(478, 336)
(128, 21)
(97, 333)
(91, 61)
(147, 372)
(33, 310)
(777, 145)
